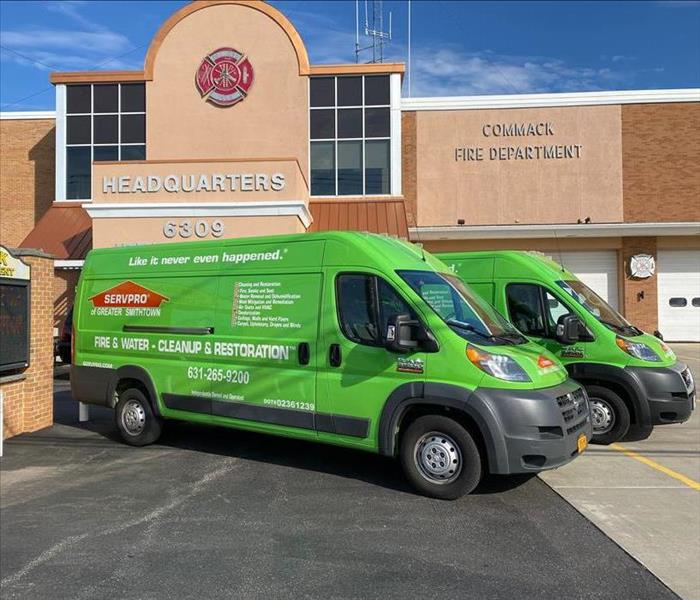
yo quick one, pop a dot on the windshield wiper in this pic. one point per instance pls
(472, 329)
(615, 326)
(624, 329)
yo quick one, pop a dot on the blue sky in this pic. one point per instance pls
(458, 48)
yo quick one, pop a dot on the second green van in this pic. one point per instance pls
(346, 338)
(633, 379)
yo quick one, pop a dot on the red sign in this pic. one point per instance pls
(128, 294)
(224, 77)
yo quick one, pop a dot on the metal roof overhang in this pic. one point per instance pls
(65, 231)
(582, 230)
(386, 216)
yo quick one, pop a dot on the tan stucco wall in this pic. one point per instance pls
(149, 230)
(295, 187)
(519, 191)
(271, 122)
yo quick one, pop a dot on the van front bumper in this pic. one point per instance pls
(538, 429)
(670, 392)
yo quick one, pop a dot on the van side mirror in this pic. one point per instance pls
(404, 334)
(568, 329)
(401, 333)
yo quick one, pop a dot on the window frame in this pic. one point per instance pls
(539, 302)
(92, 145)
(376, 305)
(363, 139)
(549, 334)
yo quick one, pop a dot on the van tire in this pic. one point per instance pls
(135, 419)
(447, 440)
(606, 404)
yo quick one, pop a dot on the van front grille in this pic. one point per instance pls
(574, 428)
(574, 405)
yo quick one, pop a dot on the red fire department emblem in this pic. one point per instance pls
(224, 77)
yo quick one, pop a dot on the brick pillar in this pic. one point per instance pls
(28, 394)
(38, 409)
(640, 295)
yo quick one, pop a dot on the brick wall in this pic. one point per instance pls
(27, 167)
(639, 296)
(28, 403)
(660, 158)
(409, 168)
(65, 281)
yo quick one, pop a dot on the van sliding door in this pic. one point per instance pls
(263, 354)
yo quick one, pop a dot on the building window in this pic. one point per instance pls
(350, 133)
(103, 122)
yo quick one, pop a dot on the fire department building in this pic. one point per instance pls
(229, 131)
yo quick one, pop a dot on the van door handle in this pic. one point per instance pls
(335, 356)
(304, 353)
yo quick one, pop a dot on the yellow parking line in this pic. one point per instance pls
(691, 483)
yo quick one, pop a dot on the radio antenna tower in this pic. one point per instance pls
(374, 29)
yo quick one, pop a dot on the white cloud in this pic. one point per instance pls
(103, 42)
(70, 9)
(85, 44)
(449, 71)
(622, 58)
(324, 41)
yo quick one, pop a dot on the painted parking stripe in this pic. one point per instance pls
(691, 483)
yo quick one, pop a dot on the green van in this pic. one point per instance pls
(346, 338)
(633, 379)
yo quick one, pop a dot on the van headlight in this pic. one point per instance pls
(499, 366)
(637, 349)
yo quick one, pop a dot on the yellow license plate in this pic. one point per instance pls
(581, 443)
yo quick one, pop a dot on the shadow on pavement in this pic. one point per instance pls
(222, 441)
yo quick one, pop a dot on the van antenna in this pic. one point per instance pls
(420, 245)
(561, 260)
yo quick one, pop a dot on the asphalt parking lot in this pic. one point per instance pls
(216, 513)
(210, 513)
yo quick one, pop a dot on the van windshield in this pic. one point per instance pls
(462, 309)
(598, 307)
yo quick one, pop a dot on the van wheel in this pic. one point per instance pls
(440, 457)
(609, 414)
(135, 419)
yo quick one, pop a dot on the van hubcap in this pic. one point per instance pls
(602, 415)
(438, 457)
(133, 417)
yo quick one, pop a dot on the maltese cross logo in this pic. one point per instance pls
(224, 77)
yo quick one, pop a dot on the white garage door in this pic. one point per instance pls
(679, 295)
(597, 269)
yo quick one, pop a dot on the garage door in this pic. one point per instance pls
(679, 295)
(597, 269)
